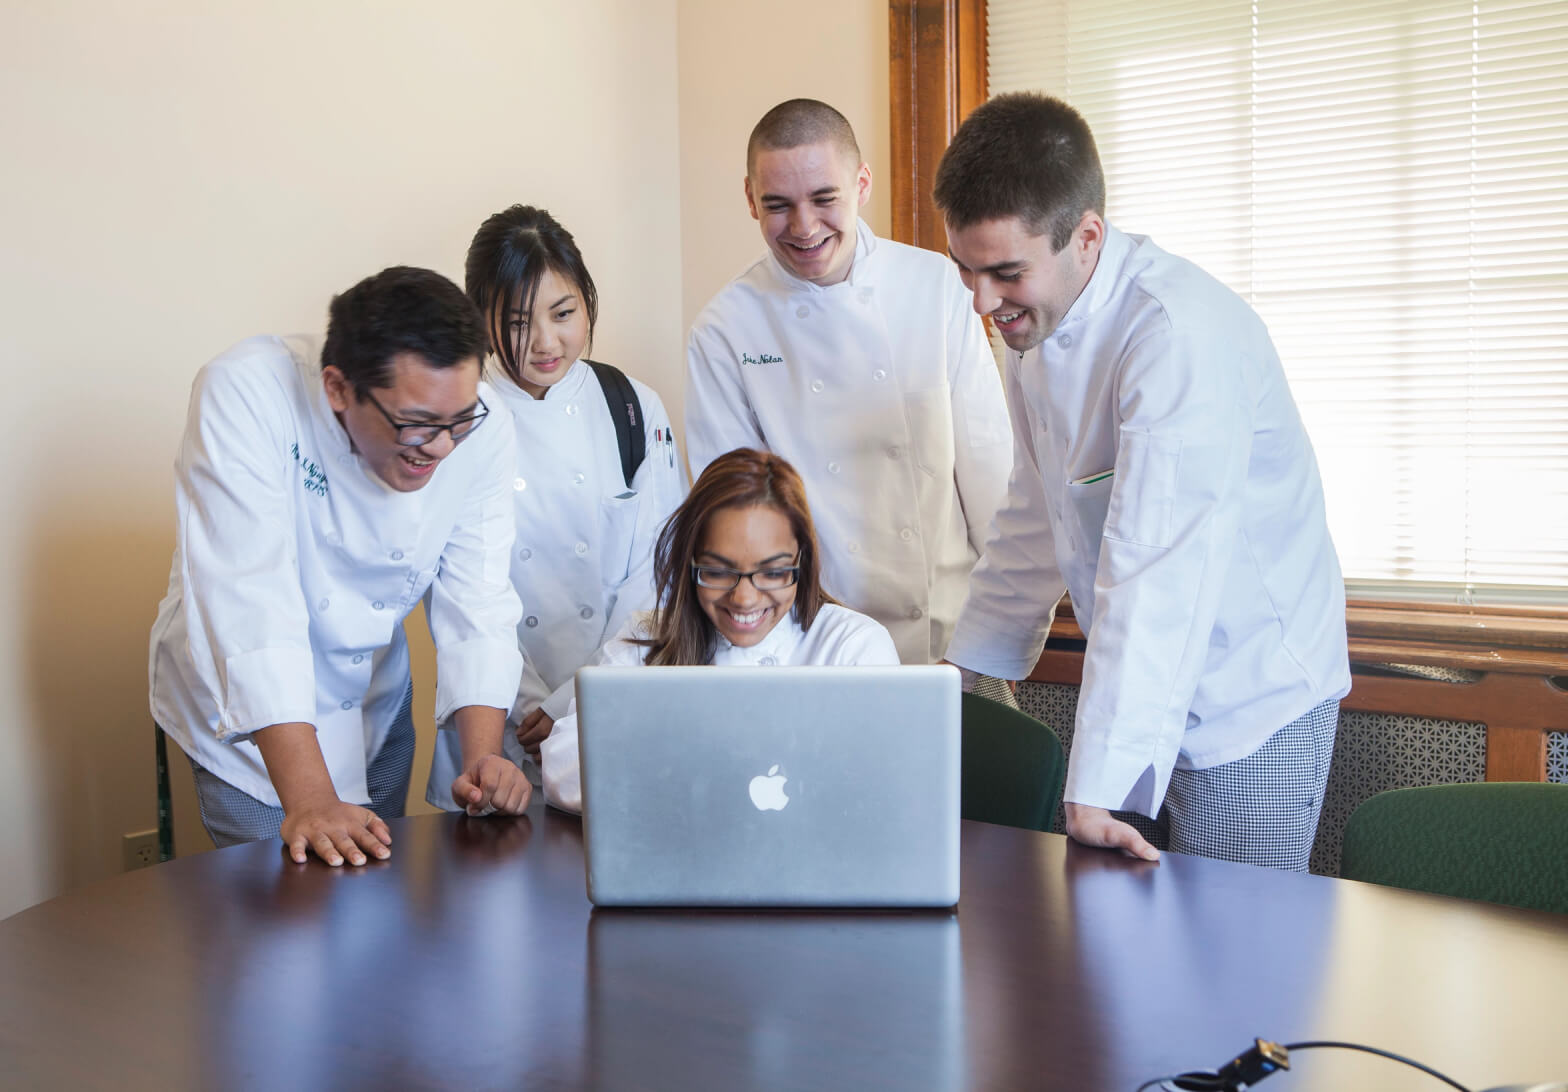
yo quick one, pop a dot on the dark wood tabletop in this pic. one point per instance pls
(472, 960)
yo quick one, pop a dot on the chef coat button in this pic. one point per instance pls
(916, 614)
(345, 459)
(324, 604)
(525, 553)
(769, 661)
(586, 613)
(348, 705)
(854, 547)
(1065, 340)
(359, 657)
(906, 534)
(530, 621)
(334, 538)
(519, 484)
(581, 548)
(833, 468)
(578, 479)
(816, 386)
(802, 312)
(893, 452)
(397, 555)
(571, 409)
(879, 375)
(865, 295)
(378, 604)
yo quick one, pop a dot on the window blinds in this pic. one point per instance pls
(1387, 184)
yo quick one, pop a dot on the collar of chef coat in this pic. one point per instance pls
(776, 648)
(329, 430)
(1103, 283)
(518, 400)
(860, 266)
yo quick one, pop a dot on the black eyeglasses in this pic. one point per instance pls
(421, 434)
(773, 578)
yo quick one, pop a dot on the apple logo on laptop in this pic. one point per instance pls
(767, 790)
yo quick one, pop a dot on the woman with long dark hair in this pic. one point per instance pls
(589, 498)
(737, 568)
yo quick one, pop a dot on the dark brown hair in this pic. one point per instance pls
(508, 257)
(681, 633)
(1022, 155)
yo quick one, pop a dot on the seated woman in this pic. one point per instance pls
(737, 573)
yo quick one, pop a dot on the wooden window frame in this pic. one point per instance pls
(937, 75)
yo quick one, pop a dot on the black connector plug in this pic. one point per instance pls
(1251, 1066)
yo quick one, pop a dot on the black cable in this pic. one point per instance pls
(1428, 1070)
(1211, 1081)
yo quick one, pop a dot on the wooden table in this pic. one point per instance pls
(471, 961)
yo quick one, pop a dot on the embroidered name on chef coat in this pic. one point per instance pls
(315, 477)
(763, 358)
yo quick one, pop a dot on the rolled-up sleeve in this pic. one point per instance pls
(1185, 436)
(248, 630)
(473, 608)
(1014, 588)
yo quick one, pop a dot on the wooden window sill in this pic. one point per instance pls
(1520, 653)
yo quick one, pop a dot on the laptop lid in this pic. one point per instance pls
(770, 787)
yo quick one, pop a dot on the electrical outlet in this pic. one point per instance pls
(140, 850)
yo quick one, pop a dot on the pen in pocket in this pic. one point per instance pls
(1092, 478)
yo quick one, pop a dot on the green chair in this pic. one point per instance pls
(1014, 766)
(1503, 842)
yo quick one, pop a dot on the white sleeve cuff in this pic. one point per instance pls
(267, 686)
(558, 764)
(481, 671)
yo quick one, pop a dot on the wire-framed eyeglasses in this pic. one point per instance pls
(773, 578)
(418, 435)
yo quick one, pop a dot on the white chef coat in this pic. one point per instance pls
(294, 566)
(839, 637)
(883, 393)
(583, 559)
(1201, 571)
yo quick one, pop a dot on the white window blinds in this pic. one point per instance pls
(1387, 183)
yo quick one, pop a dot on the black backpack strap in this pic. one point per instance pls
(626, 412)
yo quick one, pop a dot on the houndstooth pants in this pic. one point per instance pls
(232, 816)
(1262, 809)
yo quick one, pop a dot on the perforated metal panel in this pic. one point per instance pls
(1557, 757)
(1372, 752)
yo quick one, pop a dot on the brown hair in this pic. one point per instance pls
(798, 122)
(1023, 155)
(681, 632)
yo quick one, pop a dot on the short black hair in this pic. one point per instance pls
(799, 122)
(1022, 155)
(399, 310)
(509, 254)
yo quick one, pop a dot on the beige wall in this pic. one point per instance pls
(737, 59)
(180, 175)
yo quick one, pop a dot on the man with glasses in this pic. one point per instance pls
(310, 518)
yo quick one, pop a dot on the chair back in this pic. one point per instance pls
(1501, 842)
(1013, 766)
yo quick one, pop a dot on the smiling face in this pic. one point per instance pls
(547, 342)
(419, 394)
(807, 200)
(747, 539)
(1018, 280)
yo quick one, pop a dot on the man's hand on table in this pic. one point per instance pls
(492, 783)
(1098, 827)
(335, 832)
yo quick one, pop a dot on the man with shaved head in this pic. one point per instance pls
(860, 361)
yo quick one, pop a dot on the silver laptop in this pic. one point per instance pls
(770, 787)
